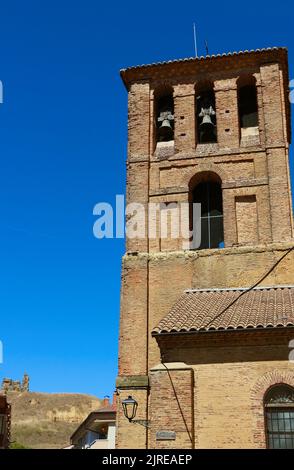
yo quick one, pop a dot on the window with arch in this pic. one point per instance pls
(279, 417)
(207, 191)
(247, 102)
(205, 113)
(164, 114)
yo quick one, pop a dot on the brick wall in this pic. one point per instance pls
(172, 389)
(232, 373)
(246, 217)
(184, 105)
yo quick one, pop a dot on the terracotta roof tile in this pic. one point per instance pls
(208, 310)
(106, 409)
(207, 57)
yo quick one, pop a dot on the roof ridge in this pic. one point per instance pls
(242, 289)
(209, 56)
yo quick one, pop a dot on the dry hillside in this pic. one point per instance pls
(47, 420)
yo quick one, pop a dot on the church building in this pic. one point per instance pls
(207, 329)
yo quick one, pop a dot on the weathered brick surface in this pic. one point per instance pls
(184, 102)
(138, 121)
(227, 113)
(133, 318)
(172, 389)
(229, 375)
(272, 104)
(246, 216)
(137, 193)
(279, 191)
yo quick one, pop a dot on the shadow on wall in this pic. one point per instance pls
(208, 348)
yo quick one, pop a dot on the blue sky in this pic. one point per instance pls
(63, 148)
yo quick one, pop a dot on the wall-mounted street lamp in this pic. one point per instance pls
(130, 406)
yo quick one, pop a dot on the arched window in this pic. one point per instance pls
(279, 417)
(205, 113)
(164, 114)
(207, 192)
(247, 102)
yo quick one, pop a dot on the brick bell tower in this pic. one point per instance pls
(205, 333)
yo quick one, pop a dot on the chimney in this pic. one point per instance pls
(105, 401)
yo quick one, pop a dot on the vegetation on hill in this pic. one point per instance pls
(47, 420)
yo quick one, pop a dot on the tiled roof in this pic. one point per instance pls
(230, 309)
(92, 417)
(207, 57)
(106, 409)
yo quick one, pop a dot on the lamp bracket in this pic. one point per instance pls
(142, 422)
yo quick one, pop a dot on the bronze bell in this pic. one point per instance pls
(165, 131)
(206, 121)
(207, 127)
(206, 114)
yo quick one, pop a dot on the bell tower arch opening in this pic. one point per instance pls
(206, 131)
(164, 114)
(205, 189)
(247, 106)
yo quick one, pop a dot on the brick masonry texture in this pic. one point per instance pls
(222, 378)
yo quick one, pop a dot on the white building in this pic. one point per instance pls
(97, 431)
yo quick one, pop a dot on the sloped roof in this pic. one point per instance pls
(229, 309)
(202, 58)
(108, 410)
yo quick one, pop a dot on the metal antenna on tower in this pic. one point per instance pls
(206, 47)
(195, 40)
